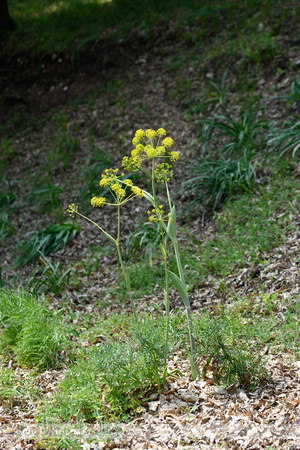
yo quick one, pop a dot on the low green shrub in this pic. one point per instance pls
(30, 330)
(230, 347)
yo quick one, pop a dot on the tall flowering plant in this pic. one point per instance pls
(151, 155)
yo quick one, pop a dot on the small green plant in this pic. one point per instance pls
(286, 140)
(6, 227)
(62, 149)
(229, 348)
(30, 330)
(145, 240)
(214, 180)
(15, 389)
(51, 278)
(110, 380)
(45, 241)
(7, 194)
(231, 144)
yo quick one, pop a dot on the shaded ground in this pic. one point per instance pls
(188, 414)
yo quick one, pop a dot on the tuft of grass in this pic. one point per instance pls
(229, 347)
(61, 151)
(213, 180)
(6, 227)
(144, 240)
(287, 139)
(30, 330)
(44, 198)
(7, 194)
(46, 241)
(231, 144)
(50, 277)
(108, 381)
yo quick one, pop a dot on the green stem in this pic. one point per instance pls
(98, 226)
(153, 183)
(181, 276)
(167, 299)
(125, 273)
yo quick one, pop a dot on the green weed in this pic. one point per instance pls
(145, 241)
(230, 144)
(30, 330)
(45, 241)
(7, 194)
(43, 198)
(248, 226)
(290, 337)
(230, 347)
(60, 153)
(50, 277)
(6, 227)
(287, 139)
(108, 381)
(212, 181)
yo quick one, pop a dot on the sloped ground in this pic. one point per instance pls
(188, 414)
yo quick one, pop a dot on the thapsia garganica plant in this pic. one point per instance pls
(150, 145)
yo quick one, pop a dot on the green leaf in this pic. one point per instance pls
(171, 229)
(109, 236)
(162, 248)
(149, 197)
(193, 368)
(180, 288)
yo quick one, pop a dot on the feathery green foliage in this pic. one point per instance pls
(30, 329)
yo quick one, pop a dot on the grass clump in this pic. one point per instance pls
(45, 241)
(232, 144)
(49, 277)
(230, 347)
(30, 330)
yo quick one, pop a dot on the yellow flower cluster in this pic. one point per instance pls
(143, 150)
(157, 215)
(72, 210)
(117, 186)
(163, 173)
(137, 191)
(98, 201)
(109, 177)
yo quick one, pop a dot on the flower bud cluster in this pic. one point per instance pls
(118, 188)
(157, 215)
(148, 150)
(163, 173)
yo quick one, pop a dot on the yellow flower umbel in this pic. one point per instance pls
(157, 215)
(118, 187)
(148, 145)
(98, 201)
